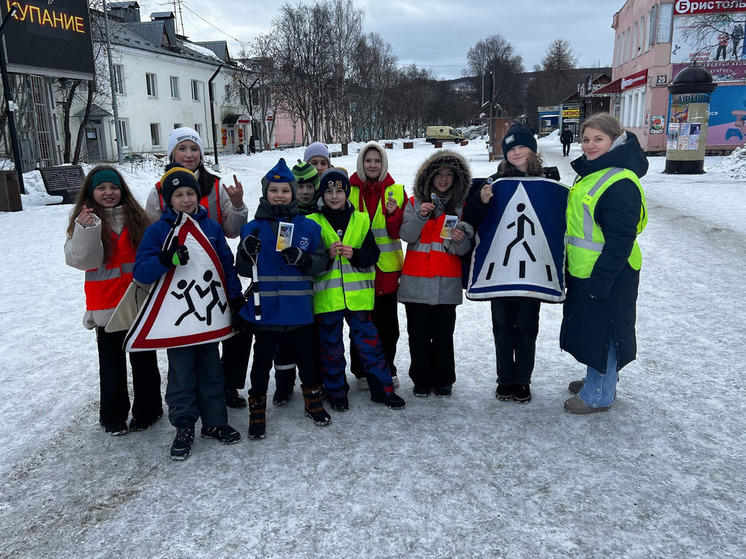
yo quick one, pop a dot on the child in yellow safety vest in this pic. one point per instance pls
(105, 229)
(345, 293)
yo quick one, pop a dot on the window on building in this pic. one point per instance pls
(151, 83)
(124, 135)
(118, 70)
(155, 134)
(195, 90)
(652, 25)
(198, 129)
(665, 24)
(227, 93)
(177, 125)
(242, 96)
(641, 42)
(634, 42)
(175, 87)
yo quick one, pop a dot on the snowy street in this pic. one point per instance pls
(660, 476)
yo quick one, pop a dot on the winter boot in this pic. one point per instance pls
(394, 402)
(522, 393)
(575, 386)
(225, 434)
(504, 392)
(340, 404)
(138, 425)
(284, 384)
(314, 408)
(257, 417)
(443, 391)
(232, 399)
(181, 448)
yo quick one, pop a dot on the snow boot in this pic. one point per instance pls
(225, 434)
(284, 384)
(232, 399)
(443, 391)
(314, 408)
(575, 386)
(257, 417)
(136, 425)
(521, 393)
(181, 448)
(504, 392)
(341, 404)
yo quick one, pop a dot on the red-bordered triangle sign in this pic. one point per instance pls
(188, 305)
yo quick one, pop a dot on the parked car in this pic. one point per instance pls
(443, 134)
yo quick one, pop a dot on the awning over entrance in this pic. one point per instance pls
(237, 119)
(612, 88)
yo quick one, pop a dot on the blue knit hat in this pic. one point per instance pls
(279, 173)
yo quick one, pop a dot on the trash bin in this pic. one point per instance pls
(10, 194)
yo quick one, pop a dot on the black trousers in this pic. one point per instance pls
(305, 352)
(515, 325)
(385, 317)
(195, 386)
(430, 329)
(565, 149)
(235, 359)
(146, 381)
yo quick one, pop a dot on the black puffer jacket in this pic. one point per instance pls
(603, 306)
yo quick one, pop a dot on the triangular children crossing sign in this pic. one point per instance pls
(188, 305)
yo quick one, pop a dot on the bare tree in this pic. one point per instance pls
(496, 60)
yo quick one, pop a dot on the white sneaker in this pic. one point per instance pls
(362, 384)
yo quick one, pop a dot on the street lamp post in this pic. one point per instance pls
(10, 104)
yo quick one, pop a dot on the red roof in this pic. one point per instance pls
(609, 88)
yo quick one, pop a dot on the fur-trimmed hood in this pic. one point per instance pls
(430, 167)
(384, 161)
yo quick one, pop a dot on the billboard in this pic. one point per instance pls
(49, 37)
(710, 39)
(727, 119)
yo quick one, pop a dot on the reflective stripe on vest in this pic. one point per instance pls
(268, 286)
(428, 257)
(584, 237)
(211, 202)
(344, 286)
(105, 286)
(392, 256)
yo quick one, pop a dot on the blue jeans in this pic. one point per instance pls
(599, 389)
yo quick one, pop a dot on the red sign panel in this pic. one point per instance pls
(637, 79)
(693, 7)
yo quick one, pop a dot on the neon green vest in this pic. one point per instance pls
(392, 257)
(584, 237)
(344, 286)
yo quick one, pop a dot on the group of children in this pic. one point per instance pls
(323, 249)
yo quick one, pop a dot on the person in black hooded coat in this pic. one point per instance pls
(598, 326)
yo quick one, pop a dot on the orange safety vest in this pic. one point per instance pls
(211, 202)
(428, 258)
(105, 286)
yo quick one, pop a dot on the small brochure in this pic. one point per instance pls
(448, 225)
(284, 236)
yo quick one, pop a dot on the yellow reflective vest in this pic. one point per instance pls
(344, 286)
(584, 237)
(392, 256)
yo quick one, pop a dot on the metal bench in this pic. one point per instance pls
(63, 181)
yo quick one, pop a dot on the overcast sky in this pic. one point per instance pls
(434, 34)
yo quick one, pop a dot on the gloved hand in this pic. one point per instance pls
(296, 257)
(175, 255)
(251, 245)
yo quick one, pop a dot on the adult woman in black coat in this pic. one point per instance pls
(603, 260)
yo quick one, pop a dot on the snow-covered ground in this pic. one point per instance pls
(662, 475)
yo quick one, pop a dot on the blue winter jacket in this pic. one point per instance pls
(148, 267)
(285, 291)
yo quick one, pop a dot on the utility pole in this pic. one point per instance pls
(112, 83)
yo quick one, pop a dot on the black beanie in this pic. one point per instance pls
(336, 176)
(176, 177)
(518, 135)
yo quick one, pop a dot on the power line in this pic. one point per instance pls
(183, 5)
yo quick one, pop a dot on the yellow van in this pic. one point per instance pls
(443, 134)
